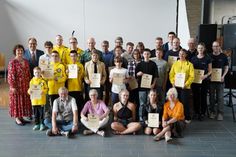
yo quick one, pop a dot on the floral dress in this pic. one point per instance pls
(19, 78)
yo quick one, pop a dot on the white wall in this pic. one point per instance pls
(134, 20)
(220, 8)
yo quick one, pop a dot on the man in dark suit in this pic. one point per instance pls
(32, 54)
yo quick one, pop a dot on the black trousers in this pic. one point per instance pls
(200, 97)
(183, 95)
(78, 95)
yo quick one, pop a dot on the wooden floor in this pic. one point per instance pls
(4, 96)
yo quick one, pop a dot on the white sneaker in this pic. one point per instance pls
(212, 115)
(168, 139)
(187, 121)
(101, 133)
(220, 117)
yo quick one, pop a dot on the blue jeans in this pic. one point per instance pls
(143, 96)
(216, 97)
(114, 98)
(61, 124)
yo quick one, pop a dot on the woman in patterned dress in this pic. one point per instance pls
(18, 79)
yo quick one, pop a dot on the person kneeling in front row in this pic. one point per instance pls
(64, 115)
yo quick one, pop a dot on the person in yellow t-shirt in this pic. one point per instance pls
(38, 83)
(75, 85)
(60, 48)
(58, 79)
(73, 46)
(183, 69)
(173, 117)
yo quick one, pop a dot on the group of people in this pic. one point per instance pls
(62, 85)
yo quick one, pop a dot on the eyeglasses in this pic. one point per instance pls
(73, 42)
(48, 47)
(55, 56)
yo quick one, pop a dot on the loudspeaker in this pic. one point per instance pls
(207, 34)
(229, 36)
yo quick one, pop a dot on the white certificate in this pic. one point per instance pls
(118, 78)
(180, 80)
(43, 63)
(146, 81)
(95, 80)
(197, 76)
(133, 84)
(93, 121)
(172, 60)
(73, 70)
(216, 74)
(36, 92)
(48, 72)
(153, 120)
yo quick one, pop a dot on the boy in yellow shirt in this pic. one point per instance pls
(75, 85)
(38, 90)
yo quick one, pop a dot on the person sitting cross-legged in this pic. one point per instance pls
(95, 108)
(64, 115)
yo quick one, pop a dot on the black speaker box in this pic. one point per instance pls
(229, 36)
(207, 34)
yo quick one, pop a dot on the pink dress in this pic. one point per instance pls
(19, 78)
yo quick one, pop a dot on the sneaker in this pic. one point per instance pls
(220, 117)
(187, 121)
(157, 138)
(101, 133)
(36, 127)
(87, 132)
(168, 139)
(49, 132)
(42, 127)
(212, 115)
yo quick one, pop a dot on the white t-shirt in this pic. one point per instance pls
(117, 88)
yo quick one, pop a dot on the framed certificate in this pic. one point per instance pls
(180, 80)
(172, 60)
(133, 84)
(93, 121)
(36, 92)
(153, 120)
(118, 78)
(197, 76)
(216, 74)
(73, 71)
(43, 63)
(95, 80)
(48, 72)
(146, 81)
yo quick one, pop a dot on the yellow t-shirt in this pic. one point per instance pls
(60, 74)
(44, 89)
(62, 50)
(76, 84)
(67, 55)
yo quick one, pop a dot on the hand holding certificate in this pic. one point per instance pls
(48, 72)
(153, 120)
(180, 80)
(118, 78)
(198, 74)
(216, 75)
(146, 81)
(93, 121)
(73, 70)
(35, 92)
(95, 80)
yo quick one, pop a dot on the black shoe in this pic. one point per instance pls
(20, 124)
(201, 117)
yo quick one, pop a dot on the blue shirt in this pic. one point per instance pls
(107, 56)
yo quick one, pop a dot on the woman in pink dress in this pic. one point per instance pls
(18, 79)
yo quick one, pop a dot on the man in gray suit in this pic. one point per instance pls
(32, 54)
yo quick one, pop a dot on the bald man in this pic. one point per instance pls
(86, 56)
(192, 51)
